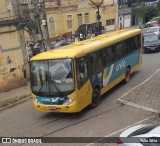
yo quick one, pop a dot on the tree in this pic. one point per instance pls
(158, 7)
(139, 12)
(158, 11)
(151, 12)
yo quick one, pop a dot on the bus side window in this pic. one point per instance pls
(133, 45)
(95, 59)
(119, 50)
(82, 74)
(138, 41)
(98, 60)
(127, 46)
(111, 55)
(107, 55)
(92, 60)
(104, 54)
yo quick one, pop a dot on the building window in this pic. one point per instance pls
(79, 19)
(110, 22)
(69, 20)
(69, 24)
(69, 16)
(86, 18)
(52, 25)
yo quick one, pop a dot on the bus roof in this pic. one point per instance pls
(81, 48)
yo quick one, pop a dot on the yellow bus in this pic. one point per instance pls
(72, 77)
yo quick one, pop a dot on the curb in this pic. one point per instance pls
(16, 103)
(120, 98)
(124, 102)
(138, 106)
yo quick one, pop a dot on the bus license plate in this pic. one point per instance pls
(52, 108)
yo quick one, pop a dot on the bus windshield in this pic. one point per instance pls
(52, 77)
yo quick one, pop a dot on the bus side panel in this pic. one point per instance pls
(133, 69)
(121, 65)
(84, 95)
(116, 72)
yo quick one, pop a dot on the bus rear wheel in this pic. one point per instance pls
(127, 75)
(95, 98)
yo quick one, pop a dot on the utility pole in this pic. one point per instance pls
(98, 14)
(39, 34)
(44, 23)
(41, 21)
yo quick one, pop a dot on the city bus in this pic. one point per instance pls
(72, 77)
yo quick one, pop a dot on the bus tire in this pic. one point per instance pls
(127, 75)
(95, 98)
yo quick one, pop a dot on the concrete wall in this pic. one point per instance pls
(14, 71)
(12, 67)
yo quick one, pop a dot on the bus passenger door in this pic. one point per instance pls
(83, 84)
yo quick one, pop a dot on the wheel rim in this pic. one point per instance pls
(95, 98)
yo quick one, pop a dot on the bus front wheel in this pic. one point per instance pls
(95, 98)
(127, 75)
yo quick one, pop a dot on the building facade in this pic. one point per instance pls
(13, 59)
(66, 16)
(125, 16)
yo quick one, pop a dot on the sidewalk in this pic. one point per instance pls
(14, 96)
(145, 96)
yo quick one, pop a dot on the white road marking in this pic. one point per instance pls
(137, 105)
(112, 134)
(139, 84)
(142, 107)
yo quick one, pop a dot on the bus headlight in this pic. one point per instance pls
(68, 101)
(36, 101)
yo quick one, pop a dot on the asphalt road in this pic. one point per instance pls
(108, 119)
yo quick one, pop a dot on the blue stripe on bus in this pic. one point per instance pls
(121, 65)
(115, 70)
(51, 100)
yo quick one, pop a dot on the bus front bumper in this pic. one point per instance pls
(56, 108)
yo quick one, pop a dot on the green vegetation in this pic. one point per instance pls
(150, 12)
(158, 8)
(145, 13)
(158, 11)
(139, 12)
